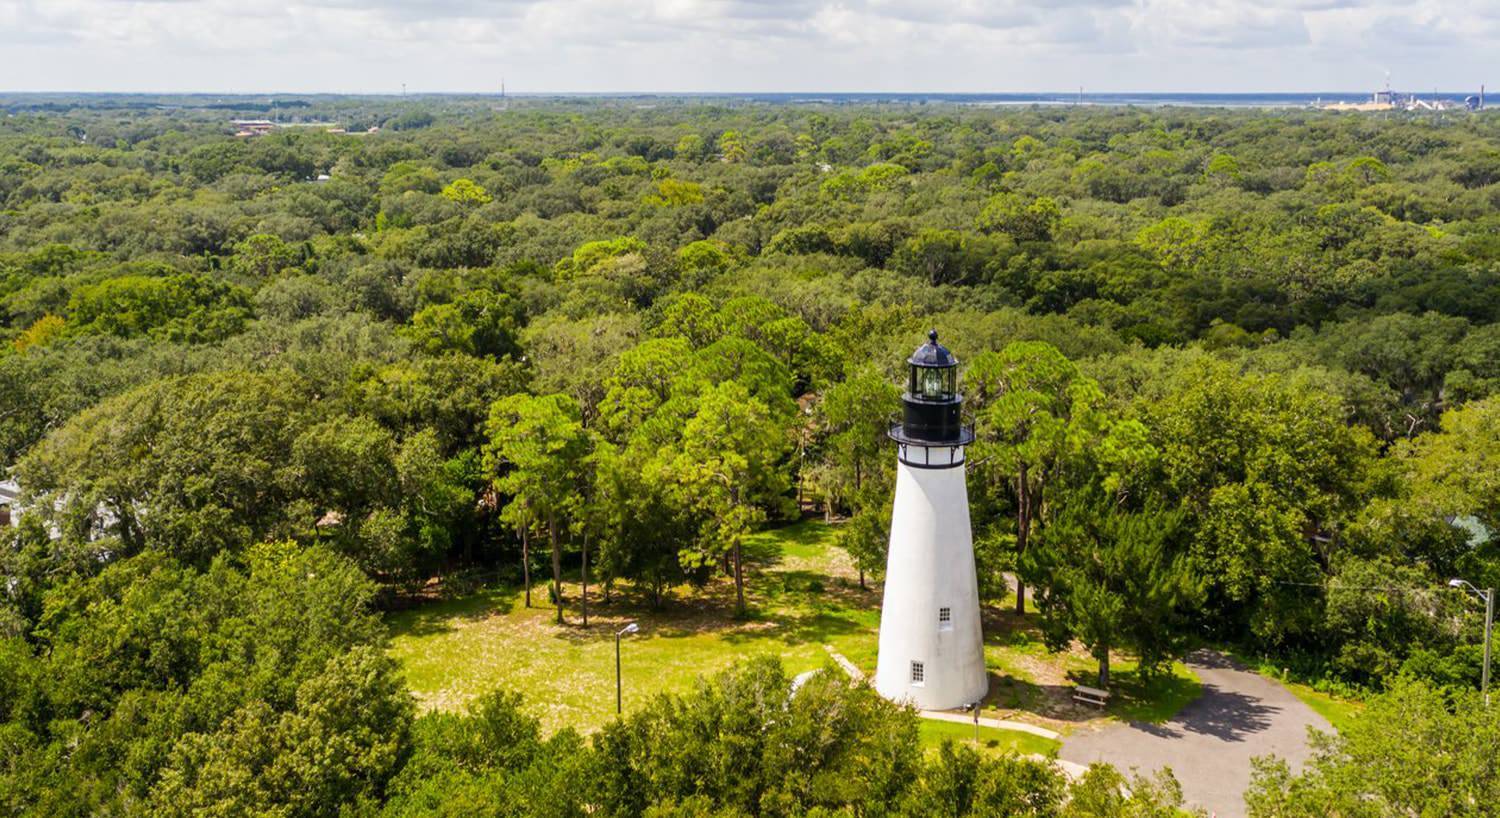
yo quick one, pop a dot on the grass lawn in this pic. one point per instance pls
(1156, 700)
(1027, 678)
(800, 601)
(804, 600)
(1337, 711)
(990, 738)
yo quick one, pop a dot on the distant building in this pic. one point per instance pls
(1387, 100)
(1477, 532)
(102, 522)
(252, 127)
(10, 505)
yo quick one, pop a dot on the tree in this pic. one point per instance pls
(856, 471)
(1270, 474)
(676, 193)
(701, 261)
(743, 740)
(960, 781)
(1414, 750)
(332, 748)
(1455, 470)
(690, 316)
(187, 307)
(1114, 579)
(1102, 792)
(854, 417)
(691, 146)
(866, 534)
(948, 256)
(1034, 416)
(643, 380)
(645, 523)
(732, 147)
(205, 454)
(1023, 218)
(465, 192)
(727, 467)
(1222, 169)
(1380, 612)
(1411, 354)
(263, 255)
(536, 449)
(43, 331)
(258, 682)
(478, 323)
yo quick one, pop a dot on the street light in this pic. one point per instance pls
(619, 695)
(975, 708)
(1489, 625)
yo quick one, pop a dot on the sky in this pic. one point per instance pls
(536, 46)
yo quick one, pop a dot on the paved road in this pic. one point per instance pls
(1209, 744)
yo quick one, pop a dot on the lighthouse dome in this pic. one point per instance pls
(932, 354)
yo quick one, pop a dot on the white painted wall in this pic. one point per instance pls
(931, 566)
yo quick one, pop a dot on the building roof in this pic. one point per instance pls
(932, 353)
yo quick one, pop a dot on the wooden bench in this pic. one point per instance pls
(1091, 695)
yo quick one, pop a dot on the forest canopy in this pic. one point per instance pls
(1229, 371)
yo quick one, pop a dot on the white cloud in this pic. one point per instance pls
(374, 45)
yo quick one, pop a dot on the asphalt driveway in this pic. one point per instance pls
(1209, 743)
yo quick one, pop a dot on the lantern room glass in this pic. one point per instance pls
(932, 383)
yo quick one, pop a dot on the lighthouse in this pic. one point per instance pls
(931, 647)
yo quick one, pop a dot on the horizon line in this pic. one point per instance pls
(718, 93)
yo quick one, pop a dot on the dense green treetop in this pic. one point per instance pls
(1234, 375)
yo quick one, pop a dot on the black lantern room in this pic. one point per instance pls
(932, 408)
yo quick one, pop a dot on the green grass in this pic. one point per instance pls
(1026, 676)
(1154, 700)
(992, 739)
(452, 651)
(1337, 711)
(806, 541)
(802, 593)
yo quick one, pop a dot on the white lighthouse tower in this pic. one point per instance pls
(931, 648)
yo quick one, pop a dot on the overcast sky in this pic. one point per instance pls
(747, 45)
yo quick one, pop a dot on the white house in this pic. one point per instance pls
(10, 504)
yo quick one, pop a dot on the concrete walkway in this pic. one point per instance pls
(843, 661)
(1209, 743)
(937, 715)
(999, 724)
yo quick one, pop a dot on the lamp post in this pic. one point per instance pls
(1489, 625)
(619, 692)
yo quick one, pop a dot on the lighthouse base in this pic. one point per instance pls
(931, 645)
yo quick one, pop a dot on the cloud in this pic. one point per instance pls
(1220, 24)
(739, 44)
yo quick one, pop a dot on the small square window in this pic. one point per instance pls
(918, 673)
(945, 614)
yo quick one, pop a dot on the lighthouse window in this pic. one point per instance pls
(932, 384)
(918, 673)
(945, 619)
